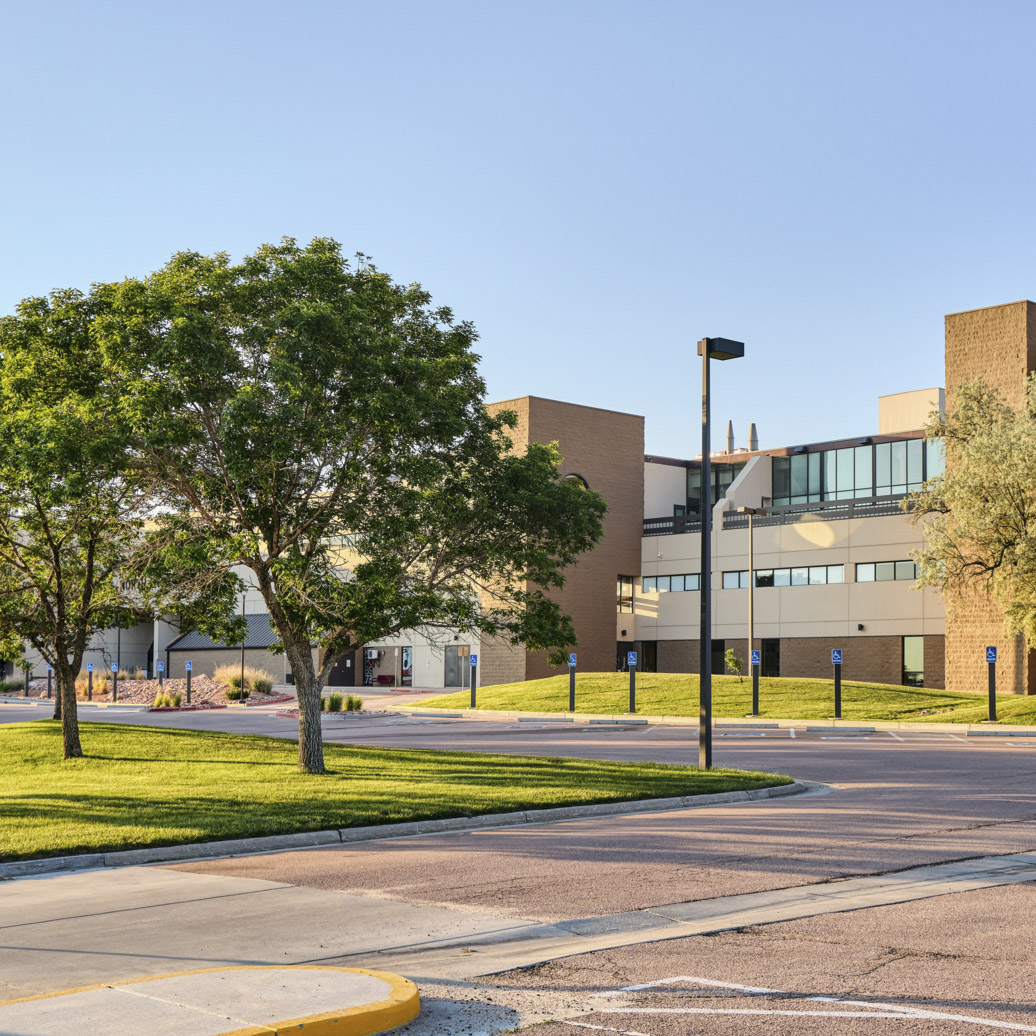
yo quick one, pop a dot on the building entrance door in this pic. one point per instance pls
(719, 649)
(343, 673)
(457, 671)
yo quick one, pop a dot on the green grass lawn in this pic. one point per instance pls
(676, 694)
(142, 786)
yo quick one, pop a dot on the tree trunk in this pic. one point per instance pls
(307, 689)
(66, 695)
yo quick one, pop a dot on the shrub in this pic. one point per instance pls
(177, 698)
(323, 704)
(353, 703)
(259, 682)
(334, 702)
(162, 701)
(11, 686)
(230, 677)
(235, 693)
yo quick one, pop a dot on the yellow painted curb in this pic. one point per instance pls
(402, 1005)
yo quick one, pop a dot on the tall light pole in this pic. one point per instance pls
(708, 349)
(752, 512)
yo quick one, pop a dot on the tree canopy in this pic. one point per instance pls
(68, 517)
(304, 418)
(979, 518)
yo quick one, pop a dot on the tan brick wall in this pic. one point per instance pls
(678, 656)
(500, 662)
(872, 659)
(607, 449)
(997, 344)
(935, 661)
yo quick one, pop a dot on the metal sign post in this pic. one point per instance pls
(115, 681)
(631, 659)
(187, 666)
(474, 677)
(572, 682)
(836, 661)
(25, 689)
(991, 659)
(757, 661)
(161, 674)
(50, 677)
(89, 681)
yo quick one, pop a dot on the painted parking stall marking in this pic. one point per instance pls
(837, 1006)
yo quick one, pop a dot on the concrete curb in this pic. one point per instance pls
(94, 1006)
(691, 721)
(345, 835)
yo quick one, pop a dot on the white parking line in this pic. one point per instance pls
(791, 731)
(896, 736)
(865, 1008)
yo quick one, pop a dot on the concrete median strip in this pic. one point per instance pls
(313, 839)
(233, 1001)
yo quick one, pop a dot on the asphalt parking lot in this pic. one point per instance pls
(481, 918)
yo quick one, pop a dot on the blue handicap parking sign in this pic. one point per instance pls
(187, 666)
(161, 667)
(631, 658)
(757, 658)
(572, 658)
(990, 654)
(49, 667)
(836, 656)
(115, 667)
(474, 659)
(89, 667)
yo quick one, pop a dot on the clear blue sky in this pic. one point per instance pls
(595, 184)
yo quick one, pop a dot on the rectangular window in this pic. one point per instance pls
(624, 593)
(817, 575)
(764, 577)
(883, 469)
(864, 483)
(913, 661)
(782, 577)
(800, 479)
(648, 584)
(662, 584)
(885, 571)
(846, 482)
(830, 475)
(814, 477)
(935, 459)
(835, 573)
(731, 580)
(800, 577)
(899, 468)
(915, 459)
(782, 481)
(692, 582)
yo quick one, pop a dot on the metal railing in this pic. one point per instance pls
(818, 511)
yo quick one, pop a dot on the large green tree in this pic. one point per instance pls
(308, 420)
(68, 518)
(979, 518)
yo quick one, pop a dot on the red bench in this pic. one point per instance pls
(384, 680)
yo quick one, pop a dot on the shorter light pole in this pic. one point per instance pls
(752, 512)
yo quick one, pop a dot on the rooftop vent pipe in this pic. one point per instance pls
(753, 438)
(730, 437)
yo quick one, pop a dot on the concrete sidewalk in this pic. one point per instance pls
(244, 1001)
(718, 724)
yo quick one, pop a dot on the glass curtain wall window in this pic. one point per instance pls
(813, 575)
(624, 594)
(856, 472)
(885, 571)
(913, 661)
(670, 584)
(722, 477)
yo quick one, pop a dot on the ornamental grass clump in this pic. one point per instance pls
(334, 702)
(353, 703)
